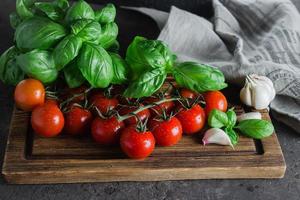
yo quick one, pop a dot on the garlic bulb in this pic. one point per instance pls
(216, 136)
(249, 115)
(257, 92)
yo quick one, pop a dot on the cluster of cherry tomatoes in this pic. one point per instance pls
(136, 125)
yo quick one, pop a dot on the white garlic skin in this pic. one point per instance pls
(257, 92)
(216, 136)
(249, 115)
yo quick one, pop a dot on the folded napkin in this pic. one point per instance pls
(243, 37)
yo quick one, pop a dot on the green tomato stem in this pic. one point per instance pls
(124, 117)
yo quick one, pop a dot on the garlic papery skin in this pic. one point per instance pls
(216, 136)
(249, 115)
(257, 92)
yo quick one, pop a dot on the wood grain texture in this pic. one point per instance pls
(34, 160)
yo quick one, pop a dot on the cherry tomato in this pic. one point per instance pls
(167, 106)
(215, 100)
(106, 131)
(29, 94)
(192, 120)
(137, 144)
(103, 103)
(77, 121)
(166, 132)
(186, 93)
(143, 115)
(47, 120)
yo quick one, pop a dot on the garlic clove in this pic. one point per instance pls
(249, 115)
(260, 97)
(245, 94)
(216, 136)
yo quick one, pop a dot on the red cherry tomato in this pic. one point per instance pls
(106, 131)
(29, 94)
(186, 93)
(192, 120)
(77, 121)
(47, 120)
(167, 106)
(166, 132)
(143, 115)
(103, 103)
(215, 100)
(136, 144)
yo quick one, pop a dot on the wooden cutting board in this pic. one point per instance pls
(30, 159)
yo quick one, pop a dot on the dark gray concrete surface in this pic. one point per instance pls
(287, 188)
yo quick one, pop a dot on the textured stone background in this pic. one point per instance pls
(286, 188)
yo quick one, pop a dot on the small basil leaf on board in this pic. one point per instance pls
(232, 135)
(217, 119)
(106, 14)
(24, 8)
(120, 69)
(50, 9)
(87, 30)
(147, 84)
(109, 35)
(66, 51)
(198, 77)
(73, 75)
(38, 64)
(38, 33)
(96, 65)
(255, 128)
(231, 118)
(79, 10)
(115, 47)
(14, 20)
(10, 72)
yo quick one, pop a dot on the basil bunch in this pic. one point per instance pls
(53, 37)
(150, 61)
(253, 128)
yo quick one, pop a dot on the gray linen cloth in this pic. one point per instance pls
(243, 37)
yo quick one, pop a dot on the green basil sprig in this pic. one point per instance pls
(38, 64)
(256, 128)
(217, 119)
(79, 10)
(109, 35)
(231, 118)
(25, 8)
(51, 10)
(106, 14)
(119, 68)
(73, 75)
(88, 30)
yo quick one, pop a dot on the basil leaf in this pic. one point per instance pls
(66, 51)
(38, 64)
(234, 138)
(10, 72)
(106, 14)
(38, 33)
(256, 128)
(146, 84)
(144, 55)
(231, 118)
(73, 75)
(50, 9)
(79, 10)
(87, 30)
(115, 47)
(120, 69)
(109, 35)
(96, 65)
(24, 8)
(14, 19)
(62, 4)
(217, 119)
(198, 77)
